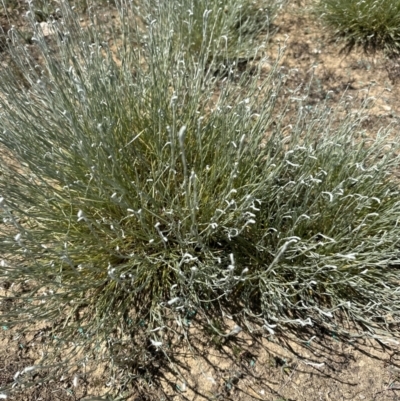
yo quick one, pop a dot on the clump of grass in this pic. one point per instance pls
(370, 24)
(225, 29)
(138, 191)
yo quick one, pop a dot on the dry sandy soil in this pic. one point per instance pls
(288, 366)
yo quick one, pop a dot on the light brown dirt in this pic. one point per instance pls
(313, 60)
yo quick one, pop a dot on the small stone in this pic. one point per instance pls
(45, 29)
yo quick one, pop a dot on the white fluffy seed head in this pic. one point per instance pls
(173, 301)
(28, 369)
(80, 215)
(156, 344)
(182, 134)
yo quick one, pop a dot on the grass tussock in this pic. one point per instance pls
(145, 191)
(370, 24)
